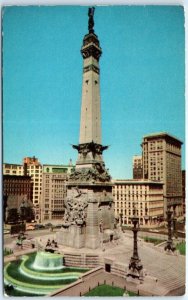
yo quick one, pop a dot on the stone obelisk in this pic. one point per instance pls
(90, 148)
(89, 207)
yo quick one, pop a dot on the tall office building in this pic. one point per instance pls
(33, 168)
(54, 179)
(137, 167)
(161, 155)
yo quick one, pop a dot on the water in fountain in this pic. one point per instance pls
(48, 261)
(38, 274)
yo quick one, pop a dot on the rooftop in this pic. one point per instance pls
(162, 134)
(136, 181)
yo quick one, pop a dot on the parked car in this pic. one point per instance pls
(30, 227)
(48, 225)
(58, 226)
(39, 226)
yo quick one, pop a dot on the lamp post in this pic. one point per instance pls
(135, 269)
(121, 219)
(23, 214)
(169, 246)
(22, 229)
(174, 220)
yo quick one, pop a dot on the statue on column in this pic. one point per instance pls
(91, 20)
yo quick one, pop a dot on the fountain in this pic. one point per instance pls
(38, 274)
(48, 261)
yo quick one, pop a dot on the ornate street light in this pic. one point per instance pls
(169, 246)
(135, 269)
(174, 220)
(121, 219)
(23, 207)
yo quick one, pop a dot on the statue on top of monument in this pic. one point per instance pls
(91, 20)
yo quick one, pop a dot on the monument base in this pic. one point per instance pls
(89, 211)
(73, 236)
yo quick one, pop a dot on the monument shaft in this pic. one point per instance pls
(90, 124)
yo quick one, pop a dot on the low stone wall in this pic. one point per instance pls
(80, 286)
(94, 278)
(119, 269)
(81, 260)
(17, 254)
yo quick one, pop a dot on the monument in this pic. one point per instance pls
(89, 206)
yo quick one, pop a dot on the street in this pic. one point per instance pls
(8, 238)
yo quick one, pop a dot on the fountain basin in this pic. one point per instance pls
(48, 261)
(26, 278)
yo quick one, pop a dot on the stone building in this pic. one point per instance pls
(137, 167)
(15, 189)
(145, 196)
(161, 155)
(30, 167)
(54, 179)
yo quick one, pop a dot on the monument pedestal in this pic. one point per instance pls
(87, 206)
(73, 236)
(92, 228)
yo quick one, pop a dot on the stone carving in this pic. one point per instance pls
(75, 209)
(92, 147)
(91, 39)
(96, 174)
(105, 199)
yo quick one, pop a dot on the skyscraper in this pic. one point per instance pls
(161, 154)
(33, 168)
(137, 167)
(54, 190)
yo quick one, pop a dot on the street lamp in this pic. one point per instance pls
(23, 213)
(121, 219)
(169, 246)
(174, 221)
(135, 269)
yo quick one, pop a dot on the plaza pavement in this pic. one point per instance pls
(164, 273)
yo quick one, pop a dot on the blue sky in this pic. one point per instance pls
(142, 80)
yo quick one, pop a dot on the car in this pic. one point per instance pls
(39, 226)
(30, 227)
(58, 226)
(48, 225)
